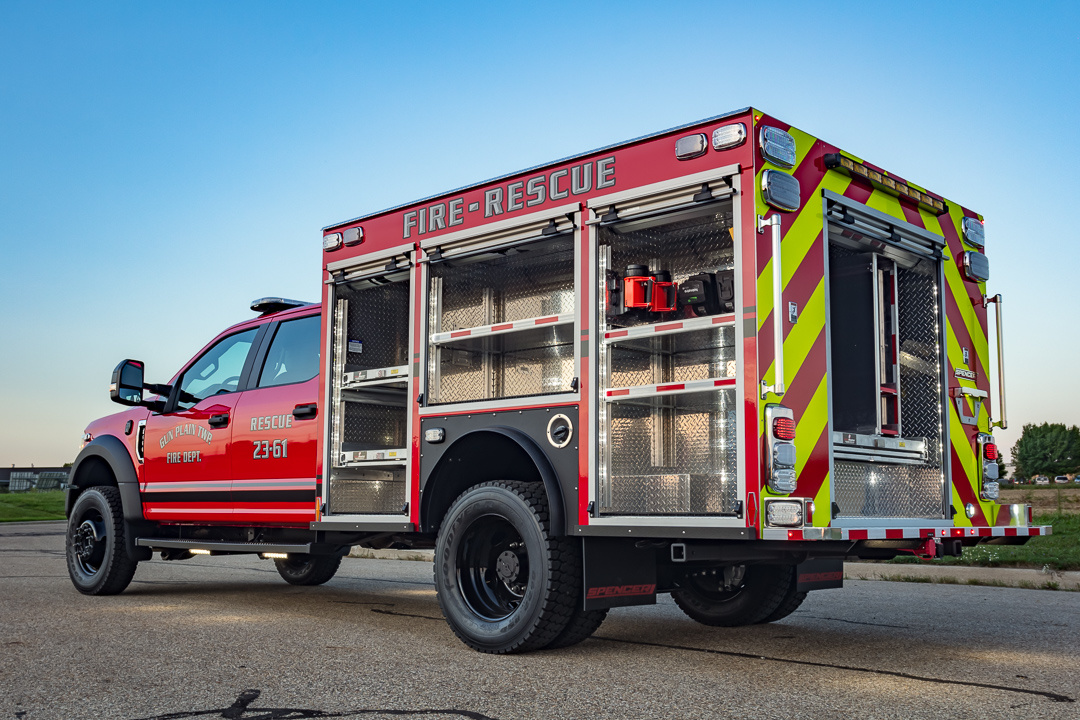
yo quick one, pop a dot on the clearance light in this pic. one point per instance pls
(728, 136)
(691, 146)
(881, 181)
(777, 146)
(974, 232)
(199, 551)
(331, 242)
(780, 190)
(976, 266)
(990, 451)
(784, 513)
(274, 556)
(353, 236)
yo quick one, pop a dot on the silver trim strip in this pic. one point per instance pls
(777, 387)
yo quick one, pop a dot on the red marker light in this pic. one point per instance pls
(990, 451)
(783, 428)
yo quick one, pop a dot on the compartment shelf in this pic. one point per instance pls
(367, 458)
(376, 376)
(464, 335)
(667, 328)
(665, 389)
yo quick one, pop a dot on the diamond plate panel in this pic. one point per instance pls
(874, 490)
(475, 375)
(377, 491)
(920, 365)
(534, 280)
(676, 458)
(373, 427)
(379, 319)
(683, 357)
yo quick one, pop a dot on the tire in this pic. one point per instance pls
(791, 602)
(300, 569)
(97, 558)
(503, 583)
(582, 625)
(761, 594)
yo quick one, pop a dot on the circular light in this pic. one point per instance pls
(969, 510)
(560, 431)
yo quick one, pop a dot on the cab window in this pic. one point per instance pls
(294, 353)
(217, 371)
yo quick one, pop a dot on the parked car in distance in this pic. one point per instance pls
(1061, 479)
(1042, 480)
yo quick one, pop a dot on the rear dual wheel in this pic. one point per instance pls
(752, 594)
(504, 583)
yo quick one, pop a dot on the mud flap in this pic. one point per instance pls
(618, 573)
(820, 574)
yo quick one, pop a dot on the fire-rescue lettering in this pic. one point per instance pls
(518, 195)
(271, 422)
(186, 429)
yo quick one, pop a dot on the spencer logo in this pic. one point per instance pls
(511, 197)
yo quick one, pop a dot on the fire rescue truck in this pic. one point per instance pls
(713, 361)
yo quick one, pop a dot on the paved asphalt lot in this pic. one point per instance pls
(227, 638)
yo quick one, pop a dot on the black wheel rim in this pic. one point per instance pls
(492, 567)
(88, 543)
(711, 587)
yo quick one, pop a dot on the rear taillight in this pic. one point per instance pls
(990, 451)
(783, 428)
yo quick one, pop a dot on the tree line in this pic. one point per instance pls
(1048, 449)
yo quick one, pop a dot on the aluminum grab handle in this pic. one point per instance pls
(777, 387)
(1002, 422)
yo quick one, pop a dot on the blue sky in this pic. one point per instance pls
(162, 164)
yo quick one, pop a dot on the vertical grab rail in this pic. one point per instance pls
(1002, 422)
(777, 387)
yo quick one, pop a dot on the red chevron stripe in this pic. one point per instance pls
(963, 488)
(817, 467)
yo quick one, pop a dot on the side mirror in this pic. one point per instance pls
(126, 387)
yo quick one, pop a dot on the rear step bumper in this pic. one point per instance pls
(902, 533)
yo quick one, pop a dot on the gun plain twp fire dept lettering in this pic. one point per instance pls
(518, 195)
(182, 430)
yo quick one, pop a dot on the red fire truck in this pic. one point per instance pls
(713, 362)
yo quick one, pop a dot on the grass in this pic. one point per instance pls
(21, 507)
(1060, 551)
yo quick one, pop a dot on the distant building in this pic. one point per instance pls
(21, 479)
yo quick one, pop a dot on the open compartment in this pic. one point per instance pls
(501, 322)
(886, 366)
(671, 455)
(672, 358)
(369, 439)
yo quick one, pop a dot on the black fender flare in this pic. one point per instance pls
(434, 504)
(86, 472)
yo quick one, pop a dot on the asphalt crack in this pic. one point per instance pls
(241, 710)
(1056, 697)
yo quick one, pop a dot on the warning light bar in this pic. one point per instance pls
(881, 181)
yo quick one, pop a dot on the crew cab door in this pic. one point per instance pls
(274, 438)
(188, 473)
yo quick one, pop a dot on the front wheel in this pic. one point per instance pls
(97, 559)
(740, 595)
(504, 584)
(301, 569)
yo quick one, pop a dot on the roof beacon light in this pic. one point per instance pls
(691, 146)
(728, 136)
(778, 147)
(974, 232)
(881, 181)
(354, 236)
(780, 190)
(331, 242)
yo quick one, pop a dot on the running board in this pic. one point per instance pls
(223, 547)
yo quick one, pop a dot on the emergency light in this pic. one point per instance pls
(881, 181)
(974, 232)
(331, 242)
(728, 136)
(778, 147)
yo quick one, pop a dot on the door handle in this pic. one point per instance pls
(301, 412)
(218, 421)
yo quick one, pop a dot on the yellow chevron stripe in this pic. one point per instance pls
(811, 425)
(823, 503)
(966, 453)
